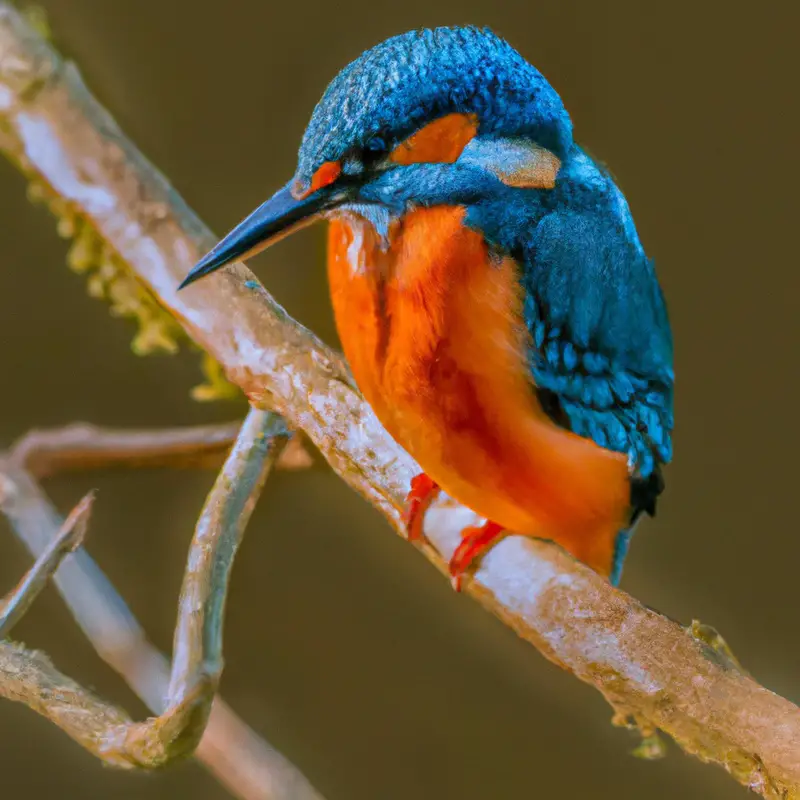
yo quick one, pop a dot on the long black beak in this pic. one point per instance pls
(281, 215)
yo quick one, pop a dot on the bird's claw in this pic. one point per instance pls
(475, 541)
(423, 493)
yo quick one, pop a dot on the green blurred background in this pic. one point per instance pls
(344, 648)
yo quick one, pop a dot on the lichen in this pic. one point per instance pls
(109, 278)
(216, 386)
(36, 17)
(715, 648)
(713, 747)
(651, 748)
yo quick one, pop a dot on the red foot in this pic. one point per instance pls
(423, 493)
(475, 541)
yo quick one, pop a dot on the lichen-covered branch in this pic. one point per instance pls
(651, 670)
(229, 749)
(82, 446)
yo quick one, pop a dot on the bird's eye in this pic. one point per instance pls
(376, 145)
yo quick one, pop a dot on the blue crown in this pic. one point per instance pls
(409, 80)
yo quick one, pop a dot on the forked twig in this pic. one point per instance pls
(197, 650)
(238, 757)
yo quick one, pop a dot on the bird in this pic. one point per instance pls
(490, 292)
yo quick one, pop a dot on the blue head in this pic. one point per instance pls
(520, 134)
(407, 81)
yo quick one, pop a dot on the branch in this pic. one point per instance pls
(28, 677)
(230, 750)
(14, 607)
(648, 667)
(82, 446)
(197, 651)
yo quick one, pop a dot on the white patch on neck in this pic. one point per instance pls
(357, 219)
(356, 257)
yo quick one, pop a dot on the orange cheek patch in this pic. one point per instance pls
(439, 142)
(325, 175)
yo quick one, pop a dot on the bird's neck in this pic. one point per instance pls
(371, 271)
(396, 305)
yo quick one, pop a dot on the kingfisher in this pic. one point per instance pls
(490, 291)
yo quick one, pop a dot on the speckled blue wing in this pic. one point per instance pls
(601, 343)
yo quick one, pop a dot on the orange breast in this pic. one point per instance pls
(433, 331)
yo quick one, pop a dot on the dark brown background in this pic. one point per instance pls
(344, 648)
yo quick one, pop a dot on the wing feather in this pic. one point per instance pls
(602, 347)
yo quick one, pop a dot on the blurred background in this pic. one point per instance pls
(344, 648)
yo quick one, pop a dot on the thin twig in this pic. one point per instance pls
(239, 759)
(197, 652)
(649, 668)
(82, 446)
(29, 677)
(15, 605)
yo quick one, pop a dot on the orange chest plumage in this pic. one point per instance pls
(423, 320)
(432, 328)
